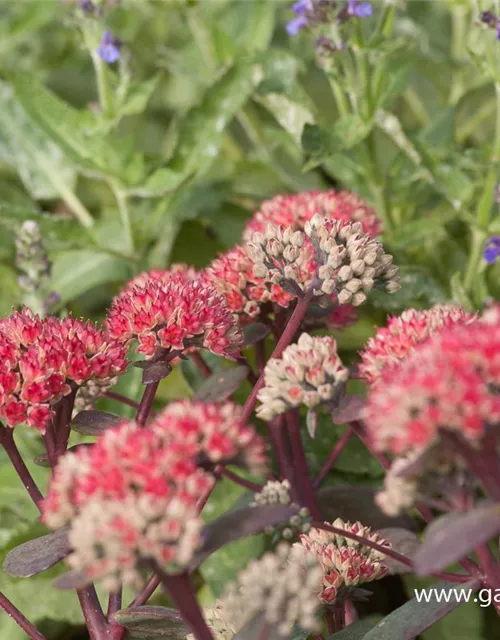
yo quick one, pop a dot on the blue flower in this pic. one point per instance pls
(87, 6)
(492, 249)
(301, 8)
(109, 48)
(359, 9)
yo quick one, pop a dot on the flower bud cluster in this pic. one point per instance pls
(43, 360)
(88, 394)
(174, 315)
(297, 209)
(398, 339)
(308, 373)
(217, 621)
(276, 492)
(215, 431)
(344, 561)
(282, 587)
(130, 498)
(32, 260)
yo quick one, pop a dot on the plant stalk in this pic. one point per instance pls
(13, 612)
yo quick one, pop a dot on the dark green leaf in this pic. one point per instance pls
(414, 617)
(357, 503)
(238, 524)
(152, 622)
(255, 332)
(452, 536)
(37, 555)
(94, 423)
(222, 384)
(355, 631)
(317, 145)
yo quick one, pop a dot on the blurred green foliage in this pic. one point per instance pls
(211, 109)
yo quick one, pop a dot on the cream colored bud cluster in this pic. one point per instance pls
(90, 392)
(110, 539)
(308, 372)
(276, 492)
(217, 622)
(279, 255)
(282, 587)
(350, 262)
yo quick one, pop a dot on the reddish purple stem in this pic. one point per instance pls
(123, 399)
(13, 612)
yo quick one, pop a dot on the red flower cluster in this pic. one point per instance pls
(449, 382)
(174, 315)
(40, 361)
(136, 472)
(344, 562)
(180, 273)
(297, 209)
(402, 333)
(215, 432)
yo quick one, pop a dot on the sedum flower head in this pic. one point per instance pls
(42, 360)
(176, 316)
(308, 372)
(177, 272)
(398, 339)
(282, 587)
(276, 492)
(215, 431)
(344, 562)
(130, 498)
(297, 209)
(449, 382)
(218, 623)
(344, 260)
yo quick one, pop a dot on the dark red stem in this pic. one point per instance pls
(253, 486)
(94, 617)
(114, 602)
(303, 486)
(334, 454)
(13, 612)
(123, 399)
(8, 443)
(281, 448)
(182, 595)
(146, 403)
(200, 363)
(63, 423)
(286, 337)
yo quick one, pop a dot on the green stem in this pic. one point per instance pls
(70, 198)
(121, 199)
(103, 88)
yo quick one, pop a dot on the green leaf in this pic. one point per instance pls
(63, 124)
(138, 97)
(223, 566)
(355, 631)
(291, 115)
(350, 130)
(9, 289)
(412, 618)
(418, 288)
(317, 145)
(76, 272)
(152, 622)
(40, 164)
(458, 292)
(202, 128)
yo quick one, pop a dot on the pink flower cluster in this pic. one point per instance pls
(41, 360)
(178, 272)
(402, 333)
(449, 382)
(344, 562)
(174, 315)
(136, 472)
(297, 209)
(233, 275)
(215, 433)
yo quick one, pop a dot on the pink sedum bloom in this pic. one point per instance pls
(297, 209)
(174, 316)
(178, 272)
(130, 498)
(42, 360)
(344, 562)
(449, 382)
(398, 339)
(215, 431)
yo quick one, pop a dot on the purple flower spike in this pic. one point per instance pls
(359, 9)
(492, 249)
(295, 25)
(109, 49)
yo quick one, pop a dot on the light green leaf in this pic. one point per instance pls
(202, 128)
(138, 97)
(291, 115)
(40, 164)
(63, 124)
(75, 272)
(9, 289)
(350, 130)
